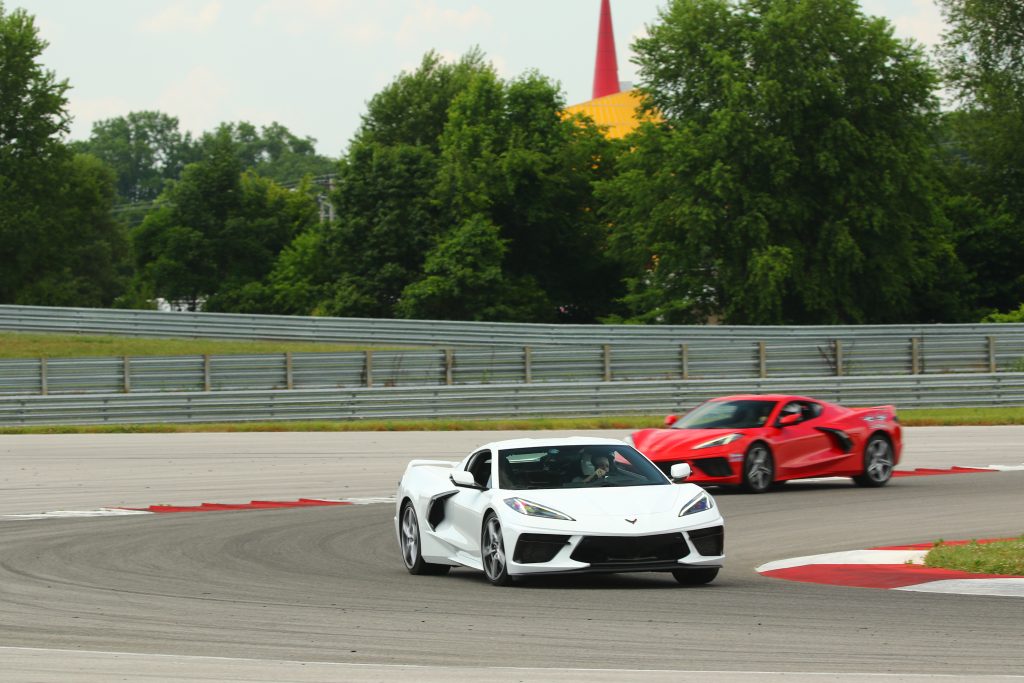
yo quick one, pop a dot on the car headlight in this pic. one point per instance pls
(525, 507)
(702, 502)
(720, 441)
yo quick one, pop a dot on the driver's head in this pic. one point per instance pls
(601, 462)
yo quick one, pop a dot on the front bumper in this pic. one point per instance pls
(532, 550)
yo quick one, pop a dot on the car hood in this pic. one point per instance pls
(611, 501)
(654, 442)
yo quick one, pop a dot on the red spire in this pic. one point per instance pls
(606, 69)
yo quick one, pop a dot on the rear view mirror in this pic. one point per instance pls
(464, 478)
(681, 471)
(670, 420)
(789, 419)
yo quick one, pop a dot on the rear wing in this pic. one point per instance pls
(433, 463)
(878, 412)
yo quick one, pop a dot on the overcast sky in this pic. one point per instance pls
(313, 64)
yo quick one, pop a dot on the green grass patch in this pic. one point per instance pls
(943, 417)
(626, 423)
(42, 345)
(997, 557)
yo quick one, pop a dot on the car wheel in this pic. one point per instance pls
(492, 552)
(878, 462)
(409, 539)
(695, 577)
(758, 469)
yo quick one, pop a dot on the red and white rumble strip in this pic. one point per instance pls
(892, 567)
(204, 507)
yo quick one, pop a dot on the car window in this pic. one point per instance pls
(576, 467)
(480, 466)
(738, 414)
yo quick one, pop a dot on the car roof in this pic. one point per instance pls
(766, 397)
(549, 442)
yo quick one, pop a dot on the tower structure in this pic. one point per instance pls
(606, 68)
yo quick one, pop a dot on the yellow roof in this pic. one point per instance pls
(618, 112)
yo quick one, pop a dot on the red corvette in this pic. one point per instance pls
(757, 440)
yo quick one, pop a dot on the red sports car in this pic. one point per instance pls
(757, 440)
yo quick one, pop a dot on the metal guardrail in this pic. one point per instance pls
(580, 399)
(447, 333)
(741, 359)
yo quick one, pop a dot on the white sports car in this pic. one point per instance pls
(560, 505)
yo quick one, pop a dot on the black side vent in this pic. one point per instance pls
(710, 541)
(536, 548)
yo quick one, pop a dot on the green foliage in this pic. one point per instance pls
(461, 196)
(1016, 316)
(271, 151)
(996, 557)
(982, 57)
(218, 232)
(58, 242)
(793, 180)
(144, 148)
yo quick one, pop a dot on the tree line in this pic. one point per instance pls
(799, 167)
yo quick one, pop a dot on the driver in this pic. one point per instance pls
(602, 465)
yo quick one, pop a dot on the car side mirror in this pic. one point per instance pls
(670, 420)
(787, 420)
(681, 471)
(464, 478)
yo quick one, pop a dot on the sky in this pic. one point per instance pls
(312, 65)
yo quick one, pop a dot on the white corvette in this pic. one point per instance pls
(560, 505)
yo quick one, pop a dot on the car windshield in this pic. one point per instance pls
(738, 414)
(566, 467)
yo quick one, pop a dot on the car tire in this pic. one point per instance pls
(492, 552)
(409, 540)
(878, 463)
(758, 468)
(695, 577)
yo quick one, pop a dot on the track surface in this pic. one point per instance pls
(320, 594)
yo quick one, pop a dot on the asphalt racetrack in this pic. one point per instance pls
(320, 593)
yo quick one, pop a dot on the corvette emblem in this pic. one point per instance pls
(632, 521)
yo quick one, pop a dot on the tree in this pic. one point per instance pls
(271, 151)
(58, 242)
(452, 163)
(792, 180)
(982, 57)
(145, 149)
(217, 233)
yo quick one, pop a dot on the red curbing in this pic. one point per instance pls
(253, 505)
(898, 567)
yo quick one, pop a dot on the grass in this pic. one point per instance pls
(30, 345)
(969, 416)
(997, 557)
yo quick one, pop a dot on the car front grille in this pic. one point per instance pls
(711, 467)
(632, 550)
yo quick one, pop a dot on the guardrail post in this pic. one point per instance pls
(289, 378)
(527, 364)
(44, 377)
(607, 352)
(126, 366)
(684, 358)
(992, 354)
(915, 355)
(838, 343)
(762, 359)
(368, 368)
(449, 364)
(207, 384)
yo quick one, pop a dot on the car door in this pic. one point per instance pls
(801, 449)
(466, 508)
